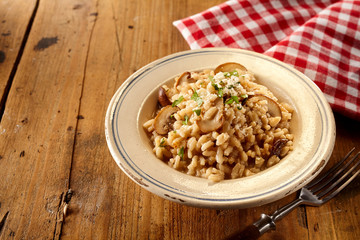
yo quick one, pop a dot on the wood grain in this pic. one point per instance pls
(77, 54)
(39, 123)
(15, 20)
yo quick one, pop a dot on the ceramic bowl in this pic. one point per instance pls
(135, 101)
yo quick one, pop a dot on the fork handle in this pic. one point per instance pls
(266, 222)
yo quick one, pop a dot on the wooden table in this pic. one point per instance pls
(60, 64)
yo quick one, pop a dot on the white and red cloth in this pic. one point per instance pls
(319, 38)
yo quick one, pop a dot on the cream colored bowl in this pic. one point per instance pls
(135, 101)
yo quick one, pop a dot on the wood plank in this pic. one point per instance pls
(15, 17)
(39, 123)
(102, 193)
(93, 177)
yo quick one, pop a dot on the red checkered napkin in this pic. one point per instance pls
(319, 38)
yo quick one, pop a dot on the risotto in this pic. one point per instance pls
(220, 124)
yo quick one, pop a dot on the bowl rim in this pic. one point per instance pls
(178, 195)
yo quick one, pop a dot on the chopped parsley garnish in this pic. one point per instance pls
(245, 98)
(232, 99)
(235, 73)
(230, 86)
(196, 98)
(217, 88)
(186, 120)
(195, 95)
(162, 142)
(236, 99)
(213, 83)
(220, 93)
(177, 101)
(181, 153)
(197, 111)
(229, 74)
(229, 101)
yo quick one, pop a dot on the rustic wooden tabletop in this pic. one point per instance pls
(60, 64)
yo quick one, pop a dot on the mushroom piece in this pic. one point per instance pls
(185, 77)
(278, 145)
(163, 119)
(273, 107)
(215, 121)
(163, 98)
(229, 67)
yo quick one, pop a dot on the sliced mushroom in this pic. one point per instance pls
(273, 107)
(278, 145)
(163, 120)
(230, 67)
(185, 77)
(163, 98)
(216, 121)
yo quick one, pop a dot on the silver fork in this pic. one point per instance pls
(316, 193)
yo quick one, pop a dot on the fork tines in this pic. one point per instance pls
(336, 178)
